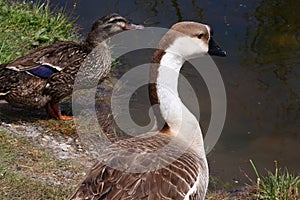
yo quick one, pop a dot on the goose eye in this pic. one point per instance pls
(200, 35)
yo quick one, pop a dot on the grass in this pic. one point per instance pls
(24, 26)
(29, 172)
(280, 185)
(277, 185)
(26, 188)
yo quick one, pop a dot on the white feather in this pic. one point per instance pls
(193, 188)
(4, 93)
(188, 47)
(48, 64)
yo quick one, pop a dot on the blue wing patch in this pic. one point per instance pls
(42, 71)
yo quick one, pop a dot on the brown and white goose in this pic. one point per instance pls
(170, 163)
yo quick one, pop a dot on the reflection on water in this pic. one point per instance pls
(261, 72)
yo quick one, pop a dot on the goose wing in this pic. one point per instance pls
(185, 178)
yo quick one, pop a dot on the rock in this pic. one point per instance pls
(54, 142)
(18, 168)
(63, 155)
(70, 140)
(5, 124)
(47, 137)
(21, 158)
(64, 147)
(31, 132)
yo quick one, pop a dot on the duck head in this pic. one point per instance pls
(108, 26)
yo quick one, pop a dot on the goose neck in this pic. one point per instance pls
(171, 107)
(180, 121)
(168, 74)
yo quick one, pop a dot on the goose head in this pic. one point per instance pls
(190, 40)
(108, 26)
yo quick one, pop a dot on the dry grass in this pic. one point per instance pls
(59, 127)
(29, 172)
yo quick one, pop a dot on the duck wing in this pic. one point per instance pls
(45, 61)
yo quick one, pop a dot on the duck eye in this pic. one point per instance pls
(122, 24)
(200, 35)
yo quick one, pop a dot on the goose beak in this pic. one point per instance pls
(133, 27)
(214, 49)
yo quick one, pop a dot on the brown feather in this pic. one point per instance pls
(170, 182)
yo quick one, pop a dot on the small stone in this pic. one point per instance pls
(31, 132)
(64, 147)
(54, 142)
(5, 124)
(70, 140)
(21, 157)
(47, 137)
(63, 154)
(29, 129)
(18, 168)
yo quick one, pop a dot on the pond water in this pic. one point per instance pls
(261, 73)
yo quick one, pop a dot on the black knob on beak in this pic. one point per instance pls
(214, 49)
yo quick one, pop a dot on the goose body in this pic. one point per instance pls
(45, 76)
(166, 164)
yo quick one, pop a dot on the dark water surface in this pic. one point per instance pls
(261, 73)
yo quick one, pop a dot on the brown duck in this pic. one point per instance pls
(45, 76)
(166, 164)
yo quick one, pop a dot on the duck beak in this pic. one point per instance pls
(214, 49)
(133, 27)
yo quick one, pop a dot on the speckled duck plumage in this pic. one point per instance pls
(46, 75)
